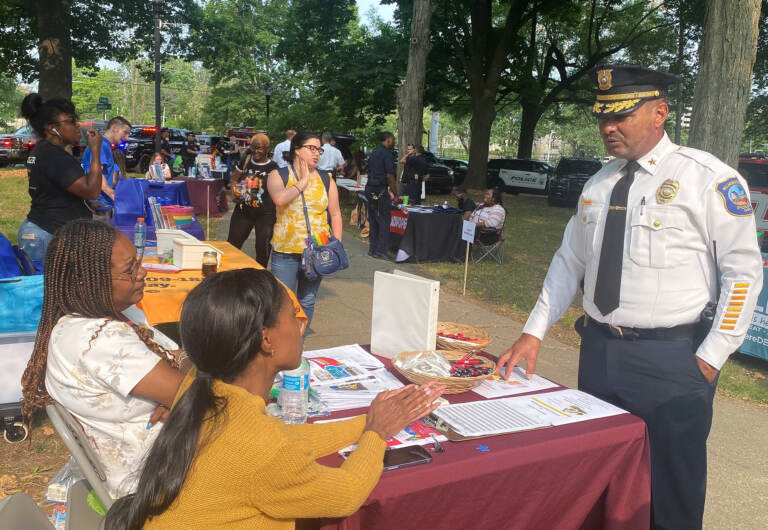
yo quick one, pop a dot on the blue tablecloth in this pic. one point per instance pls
(756, 341)
(131, 199)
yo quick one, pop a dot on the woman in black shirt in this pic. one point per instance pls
(254, 209)
(57, 185)
(414, 173)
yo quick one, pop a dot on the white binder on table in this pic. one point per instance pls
(404, 316)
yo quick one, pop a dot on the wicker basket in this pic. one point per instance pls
(482, 336)
(453, 385)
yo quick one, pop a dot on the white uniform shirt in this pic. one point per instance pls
(94, 382)
(330, 159)
(281, 148)
(668, 271)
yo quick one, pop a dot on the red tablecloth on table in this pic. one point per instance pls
(593, 474)
(211, 190)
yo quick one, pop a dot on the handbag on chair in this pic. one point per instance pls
(321, 260)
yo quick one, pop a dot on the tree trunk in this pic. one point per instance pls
(483, 114)
(726, 57)
(54, 48)
(680, 108)
(530, 118)
(410, 95)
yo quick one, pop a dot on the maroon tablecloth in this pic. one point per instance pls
(593, 474)
(211, 190)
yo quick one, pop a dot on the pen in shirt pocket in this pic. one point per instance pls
(642, 206)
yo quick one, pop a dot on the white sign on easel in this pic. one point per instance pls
(468, 235)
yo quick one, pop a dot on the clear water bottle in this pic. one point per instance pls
(140, 234)
(294, 396)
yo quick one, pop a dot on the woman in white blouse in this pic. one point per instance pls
(95, 353)
(490, 213)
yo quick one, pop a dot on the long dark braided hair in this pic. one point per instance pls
(78, 279)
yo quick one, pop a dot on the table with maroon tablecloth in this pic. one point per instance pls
(592, 474)
(211, 190)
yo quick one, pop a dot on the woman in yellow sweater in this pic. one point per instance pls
(220, 461)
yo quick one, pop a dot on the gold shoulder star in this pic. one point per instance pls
(652, 161)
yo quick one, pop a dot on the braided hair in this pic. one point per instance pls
(78, 280)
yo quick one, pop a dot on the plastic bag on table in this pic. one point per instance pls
(427, 363)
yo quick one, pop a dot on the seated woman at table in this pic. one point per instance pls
(158, 170)
(95, 353)
(490, 213)
(254, 209)
(289, 237)
(221, 461)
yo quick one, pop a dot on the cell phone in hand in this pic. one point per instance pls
(397, 457)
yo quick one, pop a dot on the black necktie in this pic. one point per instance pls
(608, 284)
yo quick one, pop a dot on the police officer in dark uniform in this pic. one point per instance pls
(663, 243)
(380, 191)
(414, 173)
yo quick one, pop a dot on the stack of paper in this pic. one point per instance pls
(347, 377)
(498, 416)
(417, 433)
(496, 386)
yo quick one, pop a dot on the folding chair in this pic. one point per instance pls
(489, 243)
(74, 438)
(20, 511)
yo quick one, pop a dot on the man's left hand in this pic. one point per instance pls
(706, 369)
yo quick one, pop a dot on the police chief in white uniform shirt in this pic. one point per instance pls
(657, 326)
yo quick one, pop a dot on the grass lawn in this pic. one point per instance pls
(532, 233)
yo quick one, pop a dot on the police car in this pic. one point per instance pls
(754, 168)
(516, 175)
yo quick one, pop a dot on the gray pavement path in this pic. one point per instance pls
(737, 495)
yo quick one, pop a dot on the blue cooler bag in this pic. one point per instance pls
(21, 302)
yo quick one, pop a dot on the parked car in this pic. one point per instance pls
(570, 176)
(207, 142)
(141, 145)
(459, 167)
(15, 147)
(440, 175)
(517, 175)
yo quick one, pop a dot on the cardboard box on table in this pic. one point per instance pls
(404, 316)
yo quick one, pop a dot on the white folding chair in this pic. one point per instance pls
(20, 511)
(74, 438)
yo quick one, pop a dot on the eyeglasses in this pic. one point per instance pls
(68, 120)
(313, 148)
(133, 274)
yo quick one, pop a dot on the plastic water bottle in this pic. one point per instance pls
(294, 396)
(139, 234)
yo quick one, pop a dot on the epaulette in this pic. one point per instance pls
(704, 158)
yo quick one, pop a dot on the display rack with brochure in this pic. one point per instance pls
(404, 316)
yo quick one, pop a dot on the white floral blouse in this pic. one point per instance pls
(93, 381)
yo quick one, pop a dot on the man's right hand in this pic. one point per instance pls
(525, 348)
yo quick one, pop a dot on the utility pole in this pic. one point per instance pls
(156, 10)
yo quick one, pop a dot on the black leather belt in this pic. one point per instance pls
(682, 332)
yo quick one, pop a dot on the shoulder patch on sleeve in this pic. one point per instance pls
(735, 198)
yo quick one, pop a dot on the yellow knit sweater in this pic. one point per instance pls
(258, 472)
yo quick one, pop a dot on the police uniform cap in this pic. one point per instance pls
(623, 88)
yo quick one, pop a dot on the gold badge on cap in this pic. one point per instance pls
(667, 191)
(604, 79)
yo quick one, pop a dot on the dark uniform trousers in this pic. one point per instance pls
(247, 218)
(413, 190)
(659, 381)
(379, 217)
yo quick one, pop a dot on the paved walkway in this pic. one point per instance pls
(737, 496)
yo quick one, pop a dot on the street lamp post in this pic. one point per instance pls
(156, 10)
(268, 94)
